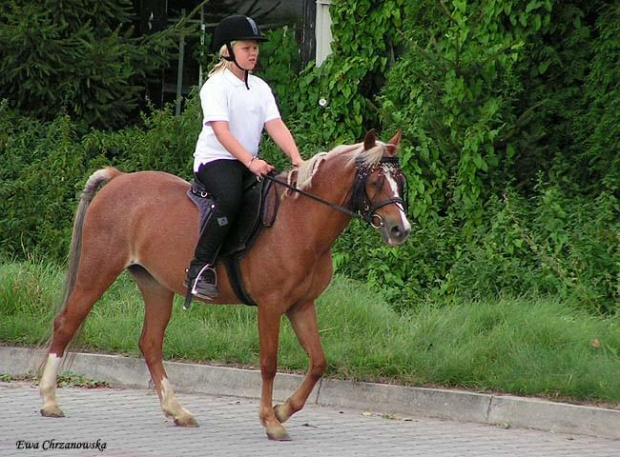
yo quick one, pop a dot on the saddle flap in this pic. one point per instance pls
(250, 218)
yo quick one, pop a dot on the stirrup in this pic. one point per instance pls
(192, 282)
(210, 269)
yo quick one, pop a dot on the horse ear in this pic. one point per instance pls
(370, 140)
(396, 138)
(393, 143)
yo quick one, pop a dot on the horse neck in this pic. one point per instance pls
(321, 224)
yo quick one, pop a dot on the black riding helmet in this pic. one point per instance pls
(236, 28)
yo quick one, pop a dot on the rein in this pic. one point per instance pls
(342, 209)
(368, 208)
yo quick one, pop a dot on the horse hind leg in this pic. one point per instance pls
(157, 310)
(78, 304)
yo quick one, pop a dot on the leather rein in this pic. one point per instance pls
(365, 208)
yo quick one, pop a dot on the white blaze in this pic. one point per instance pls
(394, 187)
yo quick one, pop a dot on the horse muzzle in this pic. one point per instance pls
(394, 232)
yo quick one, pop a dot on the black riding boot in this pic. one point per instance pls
(223, 180)
(201, 278)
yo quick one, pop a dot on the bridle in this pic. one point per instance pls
(360, 204)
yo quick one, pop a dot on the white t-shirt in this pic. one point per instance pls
(224, 97)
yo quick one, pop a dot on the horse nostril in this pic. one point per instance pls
(396, 233)
(399, 234)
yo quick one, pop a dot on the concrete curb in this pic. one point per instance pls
(389, 399)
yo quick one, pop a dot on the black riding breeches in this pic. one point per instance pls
(223, 180)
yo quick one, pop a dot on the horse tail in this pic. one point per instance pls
(95, 181)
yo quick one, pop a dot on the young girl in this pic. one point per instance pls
(236, 106)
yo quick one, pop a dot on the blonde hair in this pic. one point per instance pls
(223, 64)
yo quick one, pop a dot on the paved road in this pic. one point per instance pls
(129, 423)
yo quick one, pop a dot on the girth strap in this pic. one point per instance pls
(236, 281)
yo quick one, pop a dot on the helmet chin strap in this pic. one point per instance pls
(231, 58)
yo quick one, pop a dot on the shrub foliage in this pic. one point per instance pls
(78, 57)
(510, 118)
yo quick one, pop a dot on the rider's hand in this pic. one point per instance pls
(260, 168)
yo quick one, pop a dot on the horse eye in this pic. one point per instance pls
(377, 183)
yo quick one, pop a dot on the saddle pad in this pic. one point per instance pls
(204, 204)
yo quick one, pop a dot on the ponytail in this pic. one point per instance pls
(223, 63)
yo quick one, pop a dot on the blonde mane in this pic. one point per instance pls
(355, 154)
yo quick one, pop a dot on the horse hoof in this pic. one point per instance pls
(186, 421)
(280, 435)
(52, 411)
(283, 412)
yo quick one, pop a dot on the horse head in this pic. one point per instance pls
(379, 191)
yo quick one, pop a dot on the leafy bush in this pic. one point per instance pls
(505, 109)
(491, 100)
(552, 245)
(80, 59)
(334, 103)
(279, 65)
(37, 196)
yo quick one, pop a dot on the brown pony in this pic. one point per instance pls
(145, 223)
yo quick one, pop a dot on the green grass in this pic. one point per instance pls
(535, 347)
(64, 379)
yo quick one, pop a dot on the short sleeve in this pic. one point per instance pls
(214, 102)
(271, 107)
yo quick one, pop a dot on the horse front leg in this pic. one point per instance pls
(269, 334)
(304, 322)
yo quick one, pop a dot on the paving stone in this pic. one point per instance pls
(130, 423)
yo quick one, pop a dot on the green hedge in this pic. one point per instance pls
(510, 147)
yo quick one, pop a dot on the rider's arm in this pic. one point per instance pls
(232, 145)
(281, 135)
